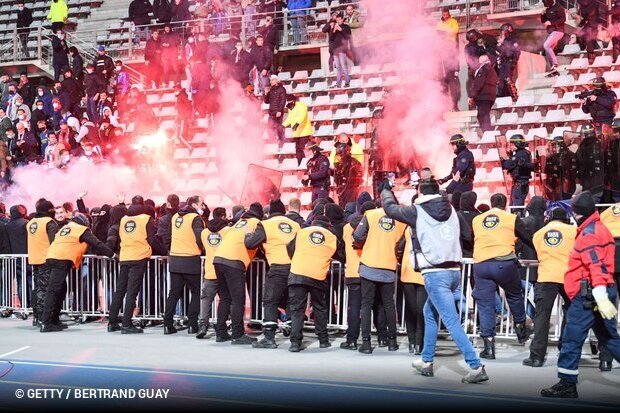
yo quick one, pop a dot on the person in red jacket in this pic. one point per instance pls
(589, 284)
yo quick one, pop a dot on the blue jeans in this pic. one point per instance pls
(298, 24)
(441, 287)
(342, 68)
(488, 276)
(579, 321)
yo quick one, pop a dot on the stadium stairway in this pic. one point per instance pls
(333, 111)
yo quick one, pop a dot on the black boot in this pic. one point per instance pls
(533, 362)
(392, 344)
(49, 328)
(604, 365)
(243, 340)
(325, 344)
(265, 342)
(169, 330)
(489, 348)
(35, 321)
(112, 327)
(561, 390)
(349, 345)
(383, 341)
(202, 331)
(523, 332)
(131, 330)
(192, 330)
(223, 338)
(295, 348)
(365, 348)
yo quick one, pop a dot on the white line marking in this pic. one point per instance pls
(14, 351)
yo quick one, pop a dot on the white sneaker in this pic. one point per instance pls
(423, 367)
(475, 376)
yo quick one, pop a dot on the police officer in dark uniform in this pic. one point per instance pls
(463, 167)
(600, 104)
(348, 175)
(520, 168)
(508, 52)
(317, 174)
(589, 158)
(560, 171)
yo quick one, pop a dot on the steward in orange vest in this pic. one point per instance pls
(273, 235)
(138, 241)
(311, 251)
(41, 230)
(185, 262)
(65, 253)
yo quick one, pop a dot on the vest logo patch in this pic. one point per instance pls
(65, 231)
(490, 221)
(317, 238)
(241, 224)
(553, 238)
(285, 228)
(615, 210)
(33, 227)
(386, 224)
(130, 226)
(178, 222)
(214, 239)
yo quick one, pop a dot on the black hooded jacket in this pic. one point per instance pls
(117, 213)
(16, 231)
(188, 265)
(164, 227)
(533, 222)
(467, 212)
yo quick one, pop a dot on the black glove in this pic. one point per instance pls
(295, 126)
(442, 181)
(385, 185)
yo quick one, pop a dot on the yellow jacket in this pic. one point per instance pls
(357, 152)
(450, 27)
(58, 11)
(299, 115)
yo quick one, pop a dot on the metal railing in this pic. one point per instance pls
(11, 45)
(507, 6)
(90, 288)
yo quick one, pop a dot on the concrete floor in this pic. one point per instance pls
(94, 352)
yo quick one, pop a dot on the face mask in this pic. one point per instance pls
(11, 92)
(238, 47)
(40, 93)
(56, 106)
(66, 158)
(40, 107)
(200, 211)
(22, 117)
(20, 8)
(42, 129)
(118, 68)
(10, 136)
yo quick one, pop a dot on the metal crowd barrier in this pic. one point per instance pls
(90, 289)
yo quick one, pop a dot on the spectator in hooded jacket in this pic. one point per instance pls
(152, 58)
(170, 42)
(140, 17)
(58, 14)
(24, 20)
(241, 64)
(276, 98)
(299, 121)
(339, 34)
(482, 92)
(261, 57)
(60, 58)
(77, 64)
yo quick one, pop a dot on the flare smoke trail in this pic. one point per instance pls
(237, 137)
(413, 131)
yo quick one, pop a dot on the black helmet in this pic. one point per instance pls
(518, 140)
(588, 131)
(558, 140)
(507, 27)
(458, 140)
(473, 35)
(599, 82)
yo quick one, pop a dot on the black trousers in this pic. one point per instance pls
(207, 295)
(276, 125)
(177, 282)
(231, 283)
(54, 295)
(385, 291)
(57, 26)
(275, 287)
(545, 294)
(604, 354)
(415, 298)
(298, 298)
(23, 38)
(300, 143)
(128, 286)
(354, 309)
(41, 275)
(484, 114)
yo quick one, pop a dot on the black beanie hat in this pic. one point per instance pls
(255, 211)
(276, 206)
(583, 204)
(45, 208)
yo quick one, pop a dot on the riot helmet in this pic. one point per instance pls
(459, 141)
(557, 143)
(588, 131)
(518, 140)
(473, 35)
(599, 82)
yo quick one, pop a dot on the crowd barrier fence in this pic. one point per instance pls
(90, 288)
